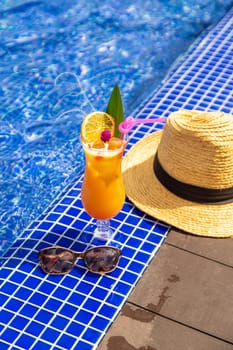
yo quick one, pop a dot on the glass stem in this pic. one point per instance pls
(103, 230)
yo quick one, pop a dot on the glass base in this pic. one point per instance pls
(103, 230)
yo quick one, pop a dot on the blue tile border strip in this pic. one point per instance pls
(74, 311)
(67, 312)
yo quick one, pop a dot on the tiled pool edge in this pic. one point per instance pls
(204, 41)
(26, 291)
(43, 311)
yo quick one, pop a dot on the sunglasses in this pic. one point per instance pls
(57, 260)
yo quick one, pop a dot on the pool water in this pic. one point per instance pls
(60, 60)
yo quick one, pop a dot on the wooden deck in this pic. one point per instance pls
(184, 301)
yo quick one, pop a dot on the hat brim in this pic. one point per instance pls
(148, 194)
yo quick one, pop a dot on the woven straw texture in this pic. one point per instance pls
(195, 148)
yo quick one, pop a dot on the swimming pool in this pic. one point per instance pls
(60, 60)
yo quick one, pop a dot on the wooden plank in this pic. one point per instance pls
(219, 249)
(138, 329)
(189, 289)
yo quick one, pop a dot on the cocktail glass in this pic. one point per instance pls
(103, 192)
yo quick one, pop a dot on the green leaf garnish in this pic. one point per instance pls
(115, 108)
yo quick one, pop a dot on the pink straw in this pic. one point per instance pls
(129, 122)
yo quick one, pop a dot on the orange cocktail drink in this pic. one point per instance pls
(103, 192)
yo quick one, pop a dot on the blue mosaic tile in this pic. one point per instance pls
(107, 311)
(123, 262)
(68, 310)
(45, 225)
(129, 277)
(142, 257)
(25, 341)
(50, 335)
(52, 217)
(122, 288)
(73, 212)
(42, 316)
(74, 311)
(59, 229)
(5, 316)
(41, 345)
(67, 200)
(19, 322)
(115, 299)
(154, 238)
(107, 282)
(76, 298)
(3, 299)
(84, 316)
(116, 273)
(38, 299)
(35, 328)
(23, 293)
(9, 288)
(140, 233)
(84, 287)
(100, 323)
(60, 322)
(4, 346)
(60, 209)
(91, 335)
(13, 305)
(84, 346)
(9, 335)
(92, 305)
(136, 267)
(128, 252)
(66, 220)
(32, 282)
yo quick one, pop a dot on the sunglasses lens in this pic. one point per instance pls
(102, 259)
(56, 260)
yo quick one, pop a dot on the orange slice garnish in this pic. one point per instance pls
(94, 124)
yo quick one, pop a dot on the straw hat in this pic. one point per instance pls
(183, 175)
